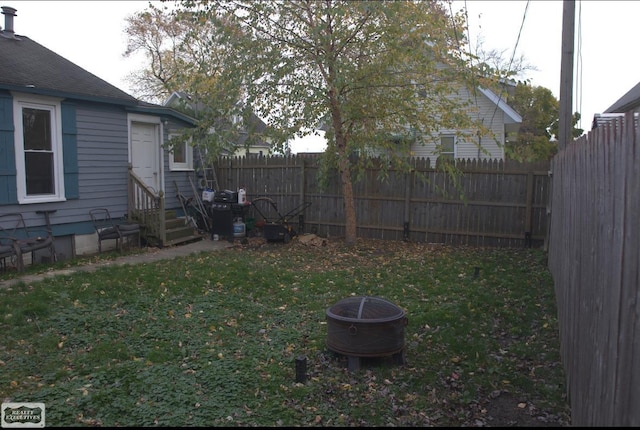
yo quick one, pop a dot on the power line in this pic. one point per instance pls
(466, 19)
(524, 17)
(578, 86)
(515, 48)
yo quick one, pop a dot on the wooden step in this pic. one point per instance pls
(175, 223)
(185, 239)
(183, 231)
(177, 231)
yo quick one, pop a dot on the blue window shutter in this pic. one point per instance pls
(70, 151)
(8, 187)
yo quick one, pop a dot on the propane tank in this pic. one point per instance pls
(238, 228)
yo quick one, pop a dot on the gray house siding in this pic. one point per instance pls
(103, 157)
(181, 177)
(182, 180)
(90, 126)
(101, 151)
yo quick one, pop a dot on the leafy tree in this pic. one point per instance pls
(379, 75)
(537, 106)
(161, 36)
(540, 111)
(186, 55)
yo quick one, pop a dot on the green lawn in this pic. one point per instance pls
(212, 339)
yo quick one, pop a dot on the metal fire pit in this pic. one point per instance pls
(366, 327)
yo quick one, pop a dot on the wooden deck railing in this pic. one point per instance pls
(147, 208)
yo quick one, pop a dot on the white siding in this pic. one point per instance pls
(492, 147)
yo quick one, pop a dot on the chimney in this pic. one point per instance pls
(8, 13)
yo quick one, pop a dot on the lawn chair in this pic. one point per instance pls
(7, 250)
(110, 229)
(15, 234)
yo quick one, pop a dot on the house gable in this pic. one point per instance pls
(628, 102)
(510, 115)
(487, 108)
(256, 126)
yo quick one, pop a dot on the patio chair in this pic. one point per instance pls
(15, 234)
(108, 228)
(7, 250)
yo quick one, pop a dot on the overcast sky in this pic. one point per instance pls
(91, 34)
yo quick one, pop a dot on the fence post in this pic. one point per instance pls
(528, 214)
(420, 213)
(408, 191)
(303, 191)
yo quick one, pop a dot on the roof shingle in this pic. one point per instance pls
(28, 66)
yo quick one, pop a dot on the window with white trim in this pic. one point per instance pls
(181, 155)
(447, 147)
(38, 148)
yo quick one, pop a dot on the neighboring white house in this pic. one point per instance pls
(488, 108)
(630, 102)
(178, 100)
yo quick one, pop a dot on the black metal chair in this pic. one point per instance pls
(15, 234)
(7, 250)
(112, 229)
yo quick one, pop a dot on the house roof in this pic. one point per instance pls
(627, 102)
(604, 118)
(600, 119)
(28, 67)
(511, 116)
(257, 125)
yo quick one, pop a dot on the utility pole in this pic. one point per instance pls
(566, 74)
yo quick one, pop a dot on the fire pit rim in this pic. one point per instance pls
(400, 312)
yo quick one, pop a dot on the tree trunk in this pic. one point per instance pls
(344, 167)
(349, 201)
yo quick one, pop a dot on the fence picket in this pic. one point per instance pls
(594, 259)
(493, 210)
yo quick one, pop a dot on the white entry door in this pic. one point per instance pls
(145, 153)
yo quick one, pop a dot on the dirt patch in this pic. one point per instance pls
(502, 409)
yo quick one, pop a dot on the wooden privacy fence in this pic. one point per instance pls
(594, 258)
(491, 203)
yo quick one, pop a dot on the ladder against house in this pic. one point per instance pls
(210, 178)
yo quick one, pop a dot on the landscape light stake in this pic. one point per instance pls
(301, 369)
